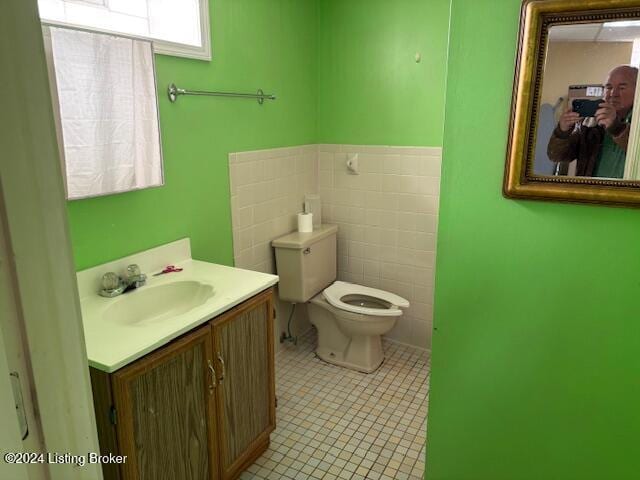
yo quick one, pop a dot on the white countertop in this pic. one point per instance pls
(111, 345)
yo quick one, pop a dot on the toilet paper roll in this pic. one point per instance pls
(305, 222)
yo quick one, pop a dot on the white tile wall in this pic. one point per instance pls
(387, 216)
(267, 192)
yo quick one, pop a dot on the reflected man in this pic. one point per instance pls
(600, 150)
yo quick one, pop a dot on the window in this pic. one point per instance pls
(177, 27)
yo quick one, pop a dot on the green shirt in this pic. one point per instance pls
(612, 158)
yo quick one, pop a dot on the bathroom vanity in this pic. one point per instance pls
(189, 395)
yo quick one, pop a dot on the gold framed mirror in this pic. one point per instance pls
(573, 134)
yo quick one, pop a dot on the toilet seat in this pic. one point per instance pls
(335, 292)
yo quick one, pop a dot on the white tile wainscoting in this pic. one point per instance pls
(267, 192)
(387, 217)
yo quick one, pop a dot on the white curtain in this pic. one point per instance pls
(108, 112)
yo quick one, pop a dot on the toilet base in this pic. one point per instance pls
(338, 359)
(346, 339)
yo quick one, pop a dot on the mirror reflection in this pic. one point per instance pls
(586, 126)
(105, 105)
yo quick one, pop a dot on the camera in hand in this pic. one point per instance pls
(586, 108)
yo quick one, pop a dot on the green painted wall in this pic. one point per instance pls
(344, 72)
(268, 44)
(536, 355)
(371, 90)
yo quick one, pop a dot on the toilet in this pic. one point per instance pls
(350, 318)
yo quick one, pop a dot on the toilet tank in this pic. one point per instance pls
(306, 263)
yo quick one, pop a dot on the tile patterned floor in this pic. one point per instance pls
(334, 423)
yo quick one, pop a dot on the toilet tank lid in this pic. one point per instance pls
(299, 240)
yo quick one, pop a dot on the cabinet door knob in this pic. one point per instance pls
(213, 377)
(222, 365)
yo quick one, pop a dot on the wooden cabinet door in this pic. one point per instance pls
(165, 407)
(243, 340)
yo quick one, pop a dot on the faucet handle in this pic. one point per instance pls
(110, 281)
(135, 276)
(133, 270)
(112, 285)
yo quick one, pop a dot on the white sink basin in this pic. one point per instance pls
(152, 304)
(121, 330)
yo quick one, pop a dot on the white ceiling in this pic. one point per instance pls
(593, 32)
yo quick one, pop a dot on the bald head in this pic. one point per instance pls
(620, 88)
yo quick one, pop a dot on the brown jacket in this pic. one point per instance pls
(584, 144)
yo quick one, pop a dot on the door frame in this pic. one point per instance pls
(40, 248)
(10, 440)
(16, 366)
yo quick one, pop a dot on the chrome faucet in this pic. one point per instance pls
(114, 285)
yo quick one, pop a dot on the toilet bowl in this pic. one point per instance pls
(350, 320)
